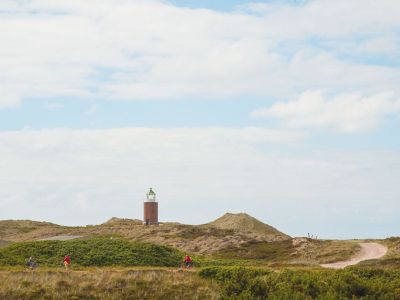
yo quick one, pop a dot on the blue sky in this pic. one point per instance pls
(286, 110)
(215, 5)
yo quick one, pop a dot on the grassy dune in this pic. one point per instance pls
(91, 252)
(229, 230)
(307, 251)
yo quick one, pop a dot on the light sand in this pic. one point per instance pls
(61, 238)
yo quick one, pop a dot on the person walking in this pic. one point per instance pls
(67, 262)
(31, 263)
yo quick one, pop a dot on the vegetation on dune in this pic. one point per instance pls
(280, 250)
(91, 252)
(393, 245)
(231, 239)
(229, 230)
(385, 263)
(106, 284)
(22, 226)
(309, 251)
(191, 232)
(242, 222)
(353, 283)
(327, 251)
(4, 243)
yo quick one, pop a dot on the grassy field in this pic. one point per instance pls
(106, 284)
(204, 283)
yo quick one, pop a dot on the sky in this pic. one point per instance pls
(286, 110)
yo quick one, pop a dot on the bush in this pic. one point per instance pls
(91, 252)
(246, 283)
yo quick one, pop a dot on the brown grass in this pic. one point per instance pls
(393, 245)
(325, 251)
(105, 284)
(305, 252)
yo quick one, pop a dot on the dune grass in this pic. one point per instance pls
(3, 243)
(327, 251)
(207, 283)
(313, 252)
(105, 284)
(259, 250)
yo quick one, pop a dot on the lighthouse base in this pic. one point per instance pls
(150, 216)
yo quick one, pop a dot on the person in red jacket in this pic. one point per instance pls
(188, 262)
(67, 262)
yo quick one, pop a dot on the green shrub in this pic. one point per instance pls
(91, 252)
(246, 283)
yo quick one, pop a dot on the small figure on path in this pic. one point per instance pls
(188, 262)
(31, 263)
(67, 262)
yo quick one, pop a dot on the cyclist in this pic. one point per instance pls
(31, 263)
(188, 262)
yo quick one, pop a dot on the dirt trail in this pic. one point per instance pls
(61, 238)
(368, 251)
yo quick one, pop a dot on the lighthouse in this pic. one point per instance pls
(150, 209)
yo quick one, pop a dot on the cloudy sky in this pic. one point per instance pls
(286, 110)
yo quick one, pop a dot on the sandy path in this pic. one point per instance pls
(61, 238)
(368, 251)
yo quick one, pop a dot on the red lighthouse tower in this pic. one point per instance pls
(150, 209)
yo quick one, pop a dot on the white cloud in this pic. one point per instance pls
(87, 176)
(8, 99)
(343, 112)
(328, 18)
(154, 50)
(380, 45)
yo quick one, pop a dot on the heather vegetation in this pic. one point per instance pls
(352, 283)
(91, 252)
